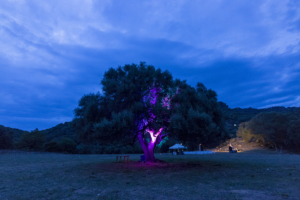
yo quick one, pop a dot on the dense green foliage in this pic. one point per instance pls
(64, 145)
(6, 138)
(9, 137)
(60, 131)
(197, 118)
(32, 141)
(87, 113)
(246, 133)
(60, 139)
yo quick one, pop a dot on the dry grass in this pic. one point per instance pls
(247, 175)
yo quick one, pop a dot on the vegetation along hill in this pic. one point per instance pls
(234, 116)
(142, 108)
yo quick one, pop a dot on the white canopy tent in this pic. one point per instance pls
(177, 149)
(178, 146)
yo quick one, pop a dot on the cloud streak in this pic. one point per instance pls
(54, 52)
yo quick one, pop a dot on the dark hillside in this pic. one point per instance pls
(234, 116)
(9, 136)
(59, 131)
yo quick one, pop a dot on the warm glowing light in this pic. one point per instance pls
(154, 136)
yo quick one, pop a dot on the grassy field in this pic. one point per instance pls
(248, 175)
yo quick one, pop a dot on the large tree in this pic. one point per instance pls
(137, 97)
(139, 103)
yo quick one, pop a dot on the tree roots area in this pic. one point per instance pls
(247, 175)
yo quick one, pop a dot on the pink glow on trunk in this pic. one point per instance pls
(154, 136)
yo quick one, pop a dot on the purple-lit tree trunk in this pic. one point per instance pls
(148, 147)
(145, 126)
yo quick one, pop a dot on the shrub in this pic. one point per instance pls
(127, 149)
(246, 133)
(32, 141)
(6, 139)
(83, 149)
(164, 148)
(294, 135)
(137, 148)
(67, 145)
(51, 147)
(109, 150)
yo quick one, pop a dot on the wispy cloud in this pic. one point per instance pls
(53, 52)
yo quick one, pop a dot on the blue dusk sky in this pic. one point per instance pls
(54, 52)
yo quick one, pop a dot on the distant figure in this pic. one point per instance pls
(200, 147)
(230, 147)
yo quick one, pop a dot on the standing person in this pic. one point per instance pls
(200, 147)
(230, 147)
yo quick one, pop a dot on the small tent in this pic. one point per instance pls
(177, 148)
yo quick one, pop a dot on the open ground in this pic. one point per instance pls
(248, 175)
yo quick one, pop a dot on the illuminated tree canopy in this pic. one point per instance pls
(140, 102)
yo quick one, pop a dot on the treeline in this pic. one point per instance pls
(277, 130)
(9, 137)
(62, 139)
